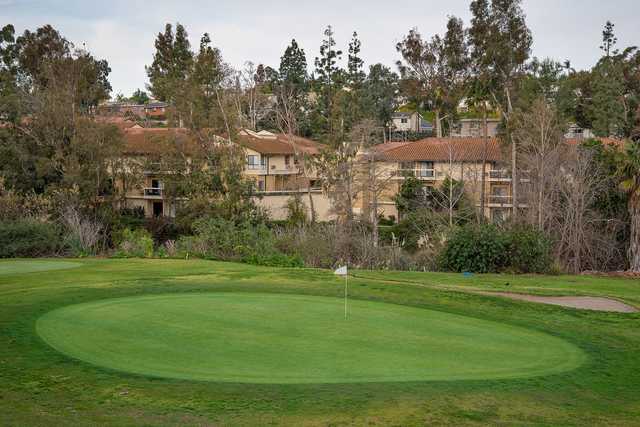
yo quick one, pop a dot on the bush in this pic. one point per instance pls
(529, 251)
(220, 239)
(489, 249)
(28, 238)
(481, 249)
(134, 244)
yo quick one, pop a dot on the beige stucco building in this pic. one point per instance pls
(432, 160)
(277, 163)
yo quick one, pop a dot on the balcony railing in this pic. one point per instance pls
(288, 170)
(505, 175)
(427, 174)
(153, 192)
(499, 200)
(254, 169)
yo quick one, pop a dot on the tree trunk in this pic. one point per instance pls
(311, 205)
(634, 238)
(438, 124)
(514, 159)
(483, 178)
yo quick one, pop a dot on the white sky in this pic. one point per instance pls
(123, 31)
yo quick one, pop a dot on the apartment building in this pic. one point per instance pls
(432, 160)
(276, 162)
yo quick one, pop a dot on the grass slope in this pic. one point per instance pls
(288, 339)
(41, 386)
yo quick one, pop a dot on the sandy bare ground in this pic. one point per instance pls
(585, 303)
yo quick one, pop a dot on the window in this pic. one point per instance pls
(287, 159)
(425, 169)
(260, 185)
(404, 120)
(253, 162)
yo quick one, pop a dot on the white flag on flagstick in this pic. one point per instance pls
(342, 271)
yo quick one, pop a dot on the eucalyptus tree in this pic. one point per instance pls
(501, 40)
(438, 68)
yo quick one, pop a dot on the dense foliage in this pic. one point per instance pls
(489, 249)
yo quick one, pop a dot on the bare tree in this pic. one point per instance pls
(540, 134)
(370, 177)
(288, 124)
(583, 237)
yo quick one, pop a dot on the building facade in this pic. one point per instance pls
(276, 162)
(432, 161)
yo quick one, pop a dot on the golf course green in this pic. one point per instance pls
(293, 339)
(171, 342)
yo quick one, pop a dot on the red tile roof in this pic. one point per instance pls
(140, 141)
(269, 143)
(441, 149)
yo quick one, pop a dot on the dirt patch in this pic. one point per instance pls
(584, 303)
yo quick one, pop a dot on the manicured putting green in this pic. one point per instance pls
(281, 338)
(33, 266)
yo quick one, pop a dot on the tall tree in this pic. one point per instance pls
(438, 67)
(499, 31)
(172, 63)
(327, 82)
(629, 174)
(293, 66)
(355, 64)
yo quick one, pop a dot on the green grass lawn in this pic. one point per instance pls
(291, 339)
(170, 342)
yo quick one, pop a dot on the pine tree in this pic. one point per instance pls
(293, 66)
(355, 64)
(171, 65)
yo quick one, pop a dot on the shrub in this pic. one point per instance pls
(83, 235)
(488, 249)
(481, 249)
(134, 243)
(220, 239)
(28, 238)
(529, 251)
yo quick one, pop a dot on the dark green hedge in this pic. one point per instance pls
(28, 238)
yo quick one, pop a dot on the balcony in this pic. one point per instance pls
(493, 199)
(253, 169)
(503, 175)
(288, 170)
(422, 174)
(498, 201)
(153, 192)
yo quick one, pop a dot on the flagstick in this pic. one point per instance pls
(346, 284)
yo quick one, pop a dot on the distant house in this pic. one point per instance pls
(410, 122)
(473, 128)
(121, 108)
(576, 132)
(156, 109)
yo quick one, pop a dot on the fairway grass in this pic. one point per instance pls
(8, 267)
(287, 339)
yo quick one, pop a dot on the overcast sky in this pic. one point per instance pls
(123, 31)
